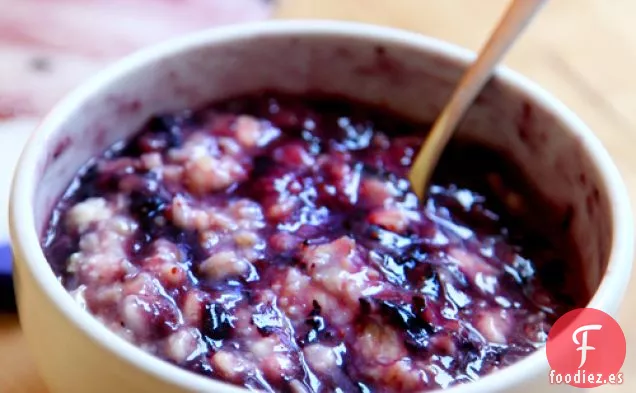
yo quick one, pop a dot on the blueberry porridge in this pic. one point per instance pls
(273, 242)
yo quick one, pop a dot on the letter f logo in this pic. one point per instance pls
(583, 344)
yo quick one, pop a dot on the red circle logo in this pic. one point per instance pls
(586, 348)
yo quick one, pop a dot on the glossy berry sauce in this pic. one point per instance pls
(273, 242)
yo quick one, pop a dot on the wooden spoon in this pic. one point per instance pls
(516, 18)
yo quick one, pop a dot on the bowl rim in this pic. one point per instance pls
(25, 236)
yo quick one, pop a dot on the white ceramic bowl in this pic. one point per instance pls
(407, 72)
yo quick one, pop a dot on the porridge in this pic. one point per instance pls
(273, 242)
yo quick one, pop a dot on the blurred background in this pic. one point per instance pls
(581, 51)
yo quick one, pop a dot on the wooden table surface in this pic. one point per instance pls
(582, 51)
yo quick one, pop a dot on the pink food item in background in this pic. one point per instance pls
(48, 47)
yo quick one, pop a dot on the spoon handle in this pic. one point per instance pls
(511, 25)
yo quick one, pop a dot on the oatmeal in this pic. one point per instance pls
(273, 242)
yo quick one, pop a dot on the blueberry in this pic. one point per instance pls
(57, 250)
(89, 179)
(90, 174)
(188, 241)
(402, 315)
(316, 309)
(316, 322)
(148, 201)
(262, 165)
(467, 346)
(399, 314)
(170, 125)
(365, 306)
(149, 206)
(373, 170)
(495, 355)
(218, 323)
(267, 319)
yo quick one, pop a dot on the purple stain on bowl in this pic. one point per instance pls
(7, 298)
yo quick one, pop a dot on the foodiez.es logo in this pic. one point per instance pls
(586, 348)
